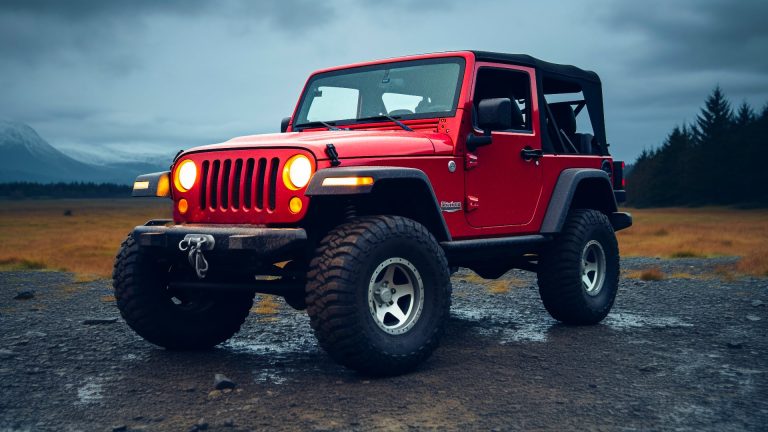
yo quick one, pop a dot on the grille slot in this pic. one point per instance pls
(249, 184)
(236, 182)
(260, 184)
(272, 194)
(204, 184)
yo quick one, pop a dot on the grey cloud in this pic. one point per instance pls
(33, 31)
(689, 35)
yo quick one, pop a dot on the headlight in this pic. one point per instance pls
(297, 172)
(185, 177)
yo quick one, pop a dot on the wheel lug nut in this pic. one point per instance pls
(391, 303)
(394, 290)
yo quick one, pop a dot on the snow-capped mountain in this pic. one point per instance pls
(25, 156)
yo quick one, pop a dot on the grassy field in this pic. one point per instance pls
(39, 234)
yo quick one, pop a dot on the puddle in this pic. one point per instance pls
(508, 325)
(296, 343)
(91, 392)
(623, 321)
(272, 375)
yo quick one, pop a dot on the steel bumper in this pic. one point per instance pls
(256, 240)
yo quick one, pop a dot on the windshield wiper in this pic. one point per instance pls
(385, 116)
(320, 123)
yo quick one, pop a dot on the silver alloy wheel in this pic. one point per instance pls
(593, 267)
(396, 295)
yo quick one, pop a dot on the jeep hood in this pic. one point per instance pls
(349, 144)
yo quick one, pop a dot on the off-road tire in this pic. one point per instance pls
(561, 289)
(140, 283)
(338, 294)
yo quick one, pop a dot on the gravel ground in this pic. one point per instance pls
(678, 354)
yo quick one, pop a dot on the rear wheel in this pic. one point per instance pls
(378, 293)
(174, 320)
(578, 274)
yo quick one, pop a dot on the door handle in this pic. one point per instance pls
(528, 153)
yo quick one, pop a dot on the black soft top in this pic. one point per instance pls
(566, 71)
(556, 78)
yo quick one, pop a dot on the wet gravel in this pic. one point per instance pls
(684, 353)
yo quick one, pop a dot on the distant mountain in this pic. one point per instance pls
(25, 156)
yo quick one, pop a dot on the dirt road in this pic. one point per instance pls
(681, 353)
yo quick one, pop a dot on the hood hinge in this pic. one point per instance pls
(330, 150)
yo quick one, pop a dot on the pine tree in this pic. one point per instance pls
(744, 116)
(715, 119)
(713, 126)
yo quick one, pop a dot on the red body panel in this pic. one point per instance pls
(513, 194)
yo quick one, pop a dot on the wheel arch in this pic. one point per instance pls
(395, 191)
(585, 188)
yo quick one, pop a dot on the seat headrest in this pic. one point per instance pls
(564, 117)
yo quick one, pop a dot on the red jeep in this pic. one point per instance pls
(388, 175)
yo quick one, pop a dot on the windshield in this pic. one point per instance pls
(406, 90)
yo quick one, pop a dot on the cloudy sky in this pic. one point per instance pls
(152, 77)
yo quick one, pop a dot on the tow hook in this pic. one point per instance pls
(194, 245)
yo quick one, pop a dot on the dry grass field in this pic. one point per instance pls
(700, 232)
(38, 234)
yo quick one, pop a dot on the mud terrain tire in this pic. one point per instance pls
(195, 321)
(572, 293)
(345, 299)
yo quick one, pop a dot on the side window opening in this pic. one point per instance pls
(568, 123)
(506, 83)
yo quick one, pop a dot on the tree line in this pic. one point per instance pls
(718, 159)
(23, 190)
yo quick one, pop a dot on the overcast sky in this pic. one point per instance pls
(157, 76)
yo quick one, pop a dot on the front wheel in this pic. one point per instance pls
(379, 293)
(578, 273)
(180, 321)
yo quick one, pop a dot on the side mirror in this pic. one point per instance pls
(492, 114)
(284, 124)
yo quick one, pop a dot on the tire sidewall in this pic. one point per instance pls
(434, 279)
(607, 239)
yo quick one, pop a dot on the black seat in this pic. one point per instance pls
(517, 117)
(566, 122)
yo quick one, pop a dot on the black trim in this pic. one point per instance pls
(562, 196)
(620, 195)
(466, 252)
(620, 220)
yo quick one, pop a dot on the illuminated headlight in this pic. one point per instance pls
(297, 172)
(185, 177)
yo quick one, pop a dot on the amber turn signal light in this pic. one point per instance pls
(295, 205)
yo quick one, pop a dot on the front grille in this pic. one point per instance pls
(249, 184)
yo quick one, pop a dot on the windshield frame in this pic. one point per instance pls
(457, 59)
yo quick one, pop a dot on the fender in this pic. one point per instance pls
(376, 175)
(565, 191)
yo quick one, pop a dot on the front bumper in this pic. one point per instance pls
(257, 241)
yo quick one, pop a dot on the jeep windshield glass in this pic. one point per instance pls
(404, 90)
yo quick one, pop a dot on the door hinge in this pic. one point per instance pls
(470, 161)
(473, 203)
